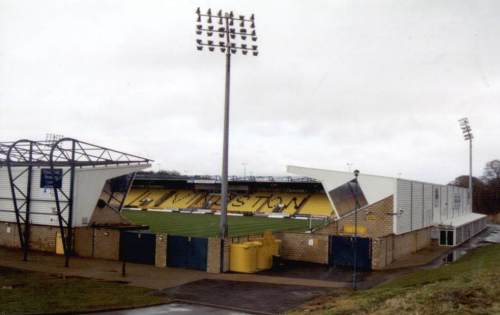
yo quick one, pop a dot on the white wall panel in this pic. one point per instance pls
(417, 208)
(436, 203)
(9, 216)
(444, 203)
(428, 209)
(6, 205)
(89, 183)
(5, 190)
(44, 219)
(403, 206)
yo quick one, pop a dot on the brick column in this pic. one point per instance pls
(161, 250)
(214, 255)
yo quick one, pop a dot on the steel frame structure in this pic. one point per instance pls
(21, 156)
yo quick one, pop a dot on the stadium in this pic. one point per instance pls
(78, 199)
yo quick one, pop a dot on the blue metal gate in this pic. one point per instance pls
(342, 252)
(187, 252)
(138, 247)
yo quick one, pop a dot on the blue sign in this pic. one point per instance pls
(51, 179)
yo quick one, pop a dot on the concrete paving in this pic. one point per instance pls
(262, 298)
(145, 276)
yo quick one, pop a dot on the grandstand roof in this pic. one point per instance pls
(63, 152)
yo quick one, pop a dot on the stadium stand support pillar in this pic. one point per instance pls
(161, 251)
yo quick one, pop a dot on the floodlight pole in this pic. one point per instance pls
(470, 175)
(223, 228)
(230, 46)
(468, 136)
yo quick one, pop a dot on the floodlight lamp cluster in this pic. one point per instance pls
(466, 129)
(227, 32)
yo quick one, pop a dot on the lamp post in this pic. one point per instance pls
(355, 237)
(468, 136)
(233, 37)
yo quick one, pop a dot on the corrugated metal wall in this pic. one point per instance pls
(421, 205)
(403, 206)
(428, 210)
(417, 209)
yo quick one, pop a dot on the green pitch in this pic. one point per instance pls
(207, 225)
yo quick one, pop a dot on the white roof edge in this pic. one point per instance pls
(464, 219)
(294, 168)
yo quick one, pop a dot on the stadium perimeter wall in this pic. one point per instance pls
(304, 247)
(89, 242)
(389, 248)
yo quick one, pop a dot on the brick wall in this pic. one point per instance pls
(161, 250)
(389, 248)
(9, 236)
(376, 219)
(106, 243)
(213, 256)
(304, 247)
(43, 238)
(84, 242)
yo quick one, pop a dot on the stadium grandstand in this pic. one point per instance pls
(264, 196)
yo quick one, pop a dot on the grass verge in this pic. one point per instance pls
(469, 286)
(25, 292)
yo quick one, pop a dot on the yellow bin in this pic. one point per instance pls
(243, 258)
(275, 248)
(264, 256)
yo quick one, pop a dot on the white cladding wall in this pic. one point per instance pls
(89, 183)
(422, 205)
(403, 207)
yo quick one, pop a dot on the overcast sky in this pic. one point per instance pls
(379, 84)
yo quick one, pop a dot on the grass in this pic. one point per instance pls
(469, 286)
(24, 292)
(206, 225)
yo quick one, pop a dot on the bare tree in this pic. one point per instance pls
(492, 170)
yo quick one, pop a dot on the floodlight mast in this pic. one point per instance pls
(468, 136)
(227, 29)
